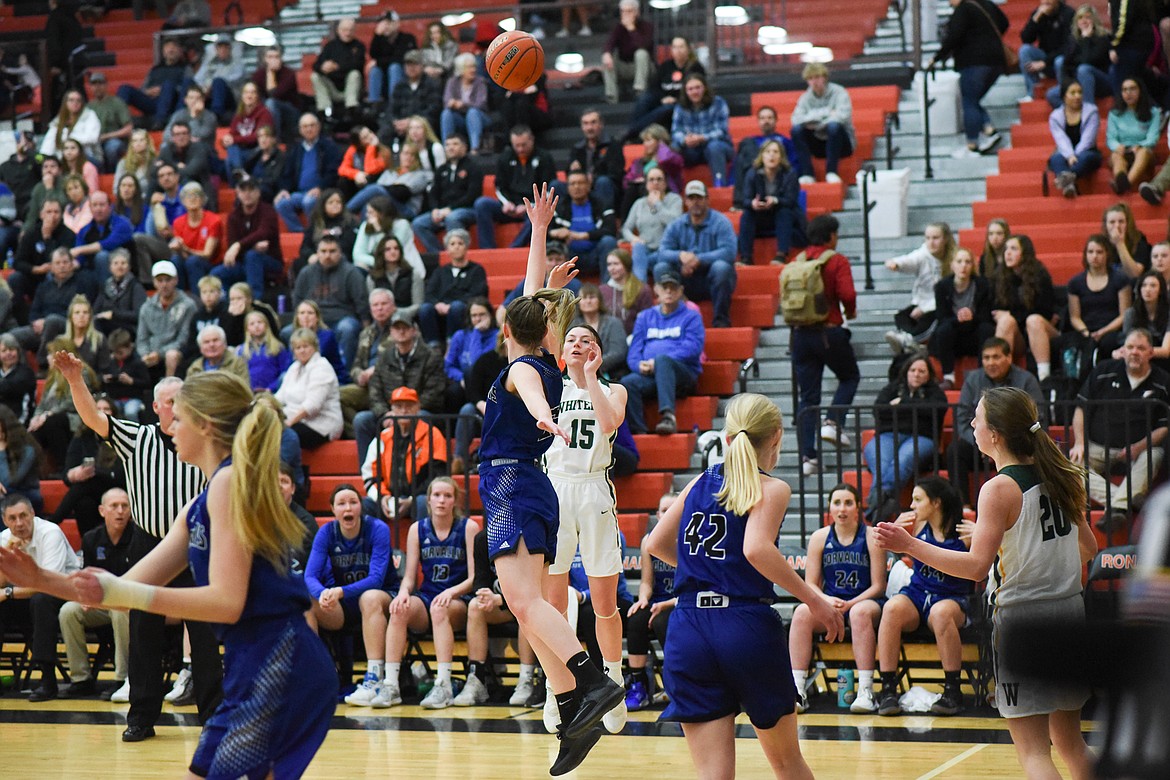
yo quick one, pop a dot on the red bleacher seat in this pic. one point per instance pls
(69, 528)
(332, 458)
(665, 453)
(633, 527)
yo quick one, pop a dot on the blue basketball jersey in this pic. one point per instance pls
(846, 567)
(350, 559)
(710, 546)
(663, 580)
(444, 561)
(931, 579)
(272, 594)
(509, 431)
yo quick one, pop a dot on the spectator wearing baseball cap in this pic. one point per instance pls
(388, 47)
(397, 468)
(114, 117)
(664, 356)
(699, 247)
(253, 241)
(164, 323)
(221, 75)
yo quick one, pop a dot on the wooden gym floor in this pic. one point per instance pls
(81, 738)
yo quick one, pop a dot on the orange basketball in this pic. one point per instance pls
(515, 60)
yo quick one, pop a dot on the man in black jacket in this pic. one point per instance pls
(600, 157)
(416, 94)
(36, 247)
(449, 289)
(50, 307)
(1044, 37)
(518, 170)
(458, 182)
(159, 94)
(21, 173)
(337, 74)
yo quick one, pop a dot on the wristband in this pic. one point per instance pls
(117, 592)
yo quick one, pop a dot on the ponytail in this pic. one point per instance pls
(263, 520)
(741, 481)
(561, 313)
(752, 420)
(1011, 413)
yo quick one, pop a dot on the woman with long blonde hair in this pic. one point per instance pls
(139, 159)
(237, 538)
(727, 649)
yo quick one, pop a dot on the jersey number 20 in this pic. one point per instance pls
(706, 533)
(1052, 521)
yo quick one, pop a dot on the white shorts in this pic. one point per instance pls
(1019, 696)
(588, 520)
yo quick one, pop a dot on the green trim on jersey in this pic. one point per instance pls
(1027, 477)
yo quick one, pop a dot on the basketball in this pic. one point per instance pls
(515, 60)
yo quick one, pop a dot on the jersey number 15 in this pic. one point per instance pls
(581, 433)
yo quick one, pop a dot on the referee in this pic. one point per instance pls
(160, 485)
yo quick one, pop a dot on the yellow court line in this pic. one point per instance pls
(954, 761)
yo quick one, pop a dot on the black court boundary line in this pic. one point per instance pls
(883, 733)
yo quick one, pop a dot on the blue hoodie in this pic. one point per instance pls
(679, 334)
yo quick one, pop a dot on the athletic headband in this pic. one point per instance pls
(1035, 427)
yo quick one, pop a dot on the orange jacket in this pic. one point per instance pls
(374, 164)
(427, 459)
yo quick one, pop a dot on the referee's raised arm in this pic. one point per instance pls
(70, 367)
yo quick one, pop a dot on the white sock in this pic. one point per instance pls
(614, 670)
(444, 675)
(799, 676)
(375, 668)
(527, 671)
(949, 377)
(865, 680)
(1043, 370)
(392, 671)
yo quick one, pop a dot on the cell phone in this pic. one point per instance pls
(87, 463)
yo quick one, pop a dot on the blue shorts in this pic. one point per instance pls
(519, 501)
(427, 598)
(721, 661)
(923, 600)
(279, 694)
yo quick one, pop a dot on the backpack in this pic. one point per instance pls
(802, 290)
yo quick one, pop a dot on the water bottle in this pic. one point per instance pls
(422, 678)
(845, 688)
(281, 303)
(1071, 359)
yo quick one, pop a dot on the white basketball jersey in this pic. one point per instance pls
(589, 450)
(1039, 558)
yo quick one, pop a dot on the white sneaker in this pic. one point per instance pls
(439, 698)
(900, 341)
(615, 720)
(387, 695)
(964, 153)
(522, 692)
(1025, 99)
(552, 713)
(122, 695)
(835, 436)
(181, 687)
(364, 695)
(864, 701)
(989, 142)
(832, 178)
(801, 701)
(586, 30)
(474, 692)
(807, 180)
(810, 467)
(563, 32)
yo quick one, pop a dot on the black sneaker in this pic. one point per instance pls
(1150, 194)
(950, 703)
(539, 691)
(81, 688)
(573, 751)
(595, 702)
(889, 704)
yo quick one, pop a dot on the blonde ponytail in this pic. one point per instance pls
(561, 312)
(250, 429)
(752, 420)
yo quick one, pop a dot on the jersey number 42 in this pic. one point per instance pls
(706, 532)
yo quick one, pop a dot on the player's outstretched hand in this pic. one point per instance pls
(553, 428)
(88, 587)
(562, 274)
(542, 207)
(893, 537)
(19, 567)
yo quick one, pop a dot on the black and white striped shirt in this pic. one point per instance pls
(158, 482)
